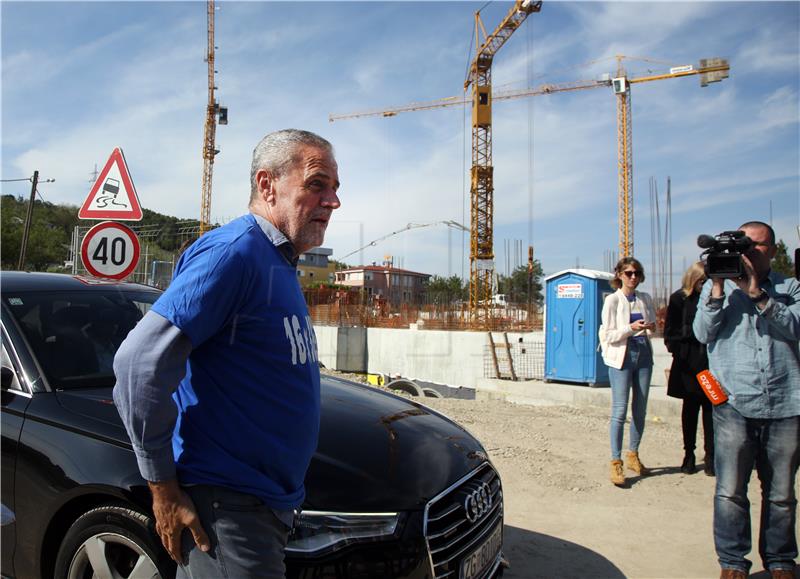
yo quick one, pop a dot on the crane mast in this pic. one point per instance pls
(210, 129)
(624, 162)
(213, 110)
(481, 258)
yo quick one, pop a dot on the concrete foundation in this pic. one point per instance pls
(452, 358)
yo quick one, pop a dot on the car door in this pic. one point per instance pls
(15, 400)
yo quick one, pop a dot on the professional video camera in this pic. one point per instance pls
(723, 253)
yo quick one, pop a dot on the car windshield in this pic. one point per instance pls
(74, 335)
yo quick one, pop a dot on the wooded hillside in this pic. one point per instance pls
(52, 227)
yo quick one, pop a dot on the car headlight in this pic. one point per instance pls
(316, 531)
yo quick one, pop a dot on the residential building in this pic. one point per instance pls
(393, 284)
(313, 266)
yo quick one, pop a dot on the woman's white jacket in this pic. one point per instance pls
(615, 328)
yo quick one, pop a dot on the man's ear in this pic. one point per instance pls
(266, 185)
(772, 252)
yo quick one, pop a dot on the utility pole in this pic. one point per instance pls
(27, 230)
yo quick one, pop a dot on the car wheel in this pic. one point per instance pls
(113, 541)
(405, 386)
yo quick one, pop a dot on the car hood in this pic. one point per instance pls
(380, 452)
(377, 451)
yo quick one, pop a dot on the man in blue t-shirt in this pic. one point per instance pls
(218, 384)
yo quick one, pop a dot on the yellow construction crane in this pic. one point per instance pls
(481, 174)
(710, 70)
(213, 111)
(481, 252)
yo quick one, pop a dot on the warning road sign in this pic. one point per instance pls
(113, 195)
(110, 250)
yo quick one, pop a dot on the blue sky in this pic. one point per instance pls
(79, 79)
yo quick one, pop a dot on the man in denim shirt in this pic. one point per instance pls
(752, 328)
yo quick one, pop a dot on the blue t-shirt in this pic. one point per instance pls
(248, 407)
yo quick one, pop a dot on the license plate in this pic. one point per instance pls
(477, 561)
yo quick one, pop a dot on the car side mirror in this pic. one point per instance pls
(7, 378)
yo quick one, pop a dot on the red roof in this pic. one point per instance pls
(382, 269)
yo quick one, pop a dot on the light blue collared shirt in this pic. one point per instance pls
(754, 354)
(278, 239)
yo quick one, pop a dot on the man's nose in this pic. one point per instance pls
(331, 199)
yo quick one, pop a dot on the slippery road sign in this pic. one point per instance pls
(113, 195)
(110, 250)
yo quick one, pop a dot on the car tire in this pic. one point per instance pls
(405, 386)
(120, 540)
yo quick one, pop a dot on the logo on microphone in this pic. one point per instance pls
(711, 387)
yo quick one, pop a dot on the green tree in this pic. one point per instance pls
(515, 286)
(782, 263)
(49, 236)
(445, 290)
(51, 233)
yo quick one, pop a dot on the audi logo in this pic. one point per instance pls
(478, 502)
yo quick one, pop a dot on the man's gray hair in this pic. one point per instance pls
(277, 151)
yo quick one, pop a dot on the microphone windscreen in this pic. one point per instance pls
(705, 241)
(711, 387)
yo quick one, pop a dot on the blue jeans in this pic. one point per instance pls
(247, 538)
(635, 375)
(773, 446)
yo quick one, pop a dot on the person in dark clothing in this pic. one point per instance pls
(688, 358)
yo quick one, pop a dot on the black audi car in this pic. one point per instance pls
(395, 489)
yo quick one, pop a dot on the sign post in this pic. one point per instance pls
(110, 250)
(113, 195)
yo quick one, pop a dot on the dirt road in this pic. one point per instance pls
(565, 519)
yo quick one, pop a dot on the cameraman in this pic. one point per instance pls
(752, 327)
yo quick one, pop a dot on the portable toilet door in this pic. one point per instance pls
(574, 304)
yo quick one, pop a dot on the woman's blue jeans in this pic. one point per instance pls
(634, 376)
(773, 446)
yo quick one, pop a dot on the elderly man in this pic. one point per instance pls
(752, 328)
(218, 385)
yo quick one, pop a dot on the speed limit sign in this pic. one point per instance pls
(110, 250)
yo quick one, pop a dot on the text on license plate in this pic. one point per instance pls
(477, 561)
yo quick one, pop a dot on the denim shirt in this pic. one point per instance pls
(754, 354)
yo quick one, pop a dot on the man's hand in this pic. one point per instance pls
(717, 287)
(748, 284)
(174, 512)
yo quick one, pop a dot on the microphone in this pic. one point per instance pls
(706, 241)
(711, 387)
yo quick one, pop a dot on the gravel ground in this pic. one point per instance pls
(565, 519)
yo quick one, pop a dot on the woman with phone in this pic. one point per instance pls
(628, 320)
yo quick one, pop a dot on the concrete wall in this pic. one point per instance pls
(343, 349)
(452, 358)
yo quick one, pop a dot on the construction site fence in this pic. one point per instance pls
(520, 360)
(347, 308)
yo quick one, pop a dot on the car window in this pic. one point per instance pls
(7, 363)
(74, 335)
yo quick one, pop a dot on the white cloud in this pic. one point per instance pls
(731, 148)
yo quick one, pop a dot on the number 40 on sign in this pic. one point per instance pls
(110, 250)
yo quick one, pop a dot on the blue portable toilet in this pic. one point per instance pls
(573, 306)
